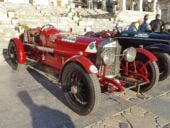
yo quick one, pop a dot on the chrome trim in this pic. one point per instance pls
(41, 48)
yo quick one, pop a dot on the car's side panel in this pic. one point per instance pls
(20, 50)
(61, 51)
(137, 38)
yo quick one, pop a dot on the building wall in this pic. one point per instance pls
(17, 1)
(165, 9)
(41, 2)
(61, 3)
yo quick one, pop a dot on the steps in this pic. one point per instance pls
(79, 19)
(7, 25)
(3, 12)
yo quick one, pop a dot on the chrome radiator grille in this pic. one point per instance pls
(113, 69)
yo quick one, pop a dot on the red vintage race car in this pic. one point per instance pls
(86, 65)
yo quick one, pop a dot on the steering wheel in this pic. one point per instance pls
(47, 26)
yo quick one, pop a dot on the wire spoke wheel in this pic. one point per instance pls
(13, 55)
(78, 88)
(142, 71)
(147, 71)
(83, 93)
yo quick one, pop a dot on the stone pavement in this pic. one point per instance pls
(33, 99)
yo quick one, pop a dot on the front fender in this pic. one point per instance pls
(86, 64)
(20, 50)
(158, 48)
(147, 53)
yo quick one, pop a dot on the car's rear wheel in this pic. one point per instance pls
(163, 64)
(81, 90)
(13, 55)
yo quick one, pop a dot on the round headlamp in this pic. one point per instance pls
(130, 54)
(108, 56)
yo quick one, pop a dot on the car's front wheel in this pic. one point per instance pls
(147, 71)
(81, 90)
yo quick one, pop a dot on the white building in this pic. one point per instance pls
(16, 1)
(138, 5)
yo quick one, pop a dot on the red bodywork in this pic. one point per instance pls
(57, 49)
(20, 49)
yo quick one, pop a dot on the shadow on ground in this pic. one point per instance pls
(43, 116)
(48, 84)
(43, 80)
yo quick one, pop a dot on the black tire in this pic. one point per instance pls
(88, 96)
(13, 56)
(164, 65)
(153, 72)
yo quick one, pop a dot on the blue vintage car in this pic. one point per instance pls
(158, 43)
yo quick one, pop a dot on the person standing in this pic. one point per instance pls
(145, 27)
(134, 26)
(157, 25)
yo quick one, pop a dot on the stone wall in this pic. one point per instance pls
(62, 3)
(17, 1)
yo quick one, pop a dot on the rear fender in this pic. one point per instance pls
(164, 48)
(147, 54)
(20, 50)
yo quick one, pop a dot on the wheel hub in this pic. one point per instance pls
(74, 90)
(12, 55)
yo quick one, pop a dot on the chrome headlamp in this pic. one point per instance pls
(108, 55)
(130, 54)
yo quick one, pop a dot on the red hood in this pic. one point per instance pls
(86, 40)
(79, 39)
